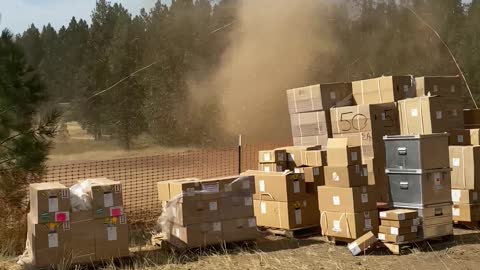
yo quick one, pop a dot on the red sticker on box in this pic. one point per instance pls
(116, 211)
(62, 217)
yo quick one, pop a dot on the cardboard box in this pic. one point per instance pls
(397, 238)
(297, 155)
(354, 199)
(193, 235)
(465, 196)
(347, 224)
(316, 158)
(350, 176)
(271, 167)
(427, 115)
(319, 97)
(48, 242)
(466, 212)
(471, 118)
(107, 198)
(465, 161)
(379, 119)
(383, 89)
(240, 229)
(371, 147)
(399, 214)
(311, 123)
(191, 210)
(82, 228)
(314, 177)
(272, 156)
(168, 190)
(361, 244)
(277, 186)
(459, 137)
(397, 231)
(111, 238)
(340, 154)
(445, 86)
(235, 183)
(311, 140)
(400, 223)
(49, 202)
(287, 215)
(236, 206)
(475, 136)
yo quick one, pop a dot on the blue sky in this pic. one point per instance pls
(17, 15)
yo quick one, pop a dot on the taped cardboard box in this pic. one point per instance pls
(459, 137)
(193, 235)
(236, 206)
(350, 176)
(311, 123)
(427, 115)
(297, 155)
(167, 190)
(340, 154)
(106, 198)
(48, 242)
(383, 89)
(397, 238)
(235, 183)
(466, 212)
(465, 161)
(399, 214)
(240, 229)
(465, 196)
(445, 86)
(361, 244)
(49, 202)
(191, 210)
(397, 230)
(319, 97)
(354, 199)
(400, 223)
(474, 136)
(316, 158)
(471, 118)
(380, 119)
(82, 237)
(287, 215)
(348, 225)
(278, 186)
(314, 177)
(311, 140)
(272, 156)
(111, 238)
(370, 147)
(271, 167)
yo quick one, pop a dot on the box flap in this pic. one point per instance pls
(335, 143)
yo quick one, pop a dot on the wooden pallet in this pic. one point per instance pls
(396, 248)
(472, 225)
(294, 233)
(159, 241)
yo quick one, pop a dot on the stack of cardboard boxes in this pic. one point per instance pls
(281, 201)
(348, 205)
(272, 160)
(309, 111)
(205, 212)
(398, 226)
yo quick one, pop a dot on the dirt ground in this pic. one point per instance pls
(312, 253)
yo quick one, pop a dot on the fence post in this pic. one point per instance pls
(239, 153)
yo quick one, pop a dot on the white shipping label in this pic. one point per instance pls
(452, 89)
(354, 249)
(248, 201)
(406, 88)
(266, 169)
(266, 157)
(381, 236)
(297, 170)
(414, 112)
(111, 233)
(212, 206)
(474, 196)
(414, 229)
(217, 226)
(364, 197)
(456, 162)
(393, 231)
(368, 224)
(416, 222)
(333, 95)
(383, 214)
(384, 116)
(52, 240)
(296, 186)
(316, 171)
(261, 183)
(365, 172)
(354, 156)
(336, 200)
(177, 232)
(245, 184)
(460, 138)
(252, 222)
(263, 208)
(401, 216)
(336, 226)
(438, 114)
(52, 204)
(107, 199)
(435, 88)
(456, 194)
(291, 157)
(335, 176)
(456, 212)
(298, 216)
(437, 178)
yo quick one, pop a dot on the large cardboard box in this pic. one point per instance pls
(465, 162)
(48, 242)
(82, 237)
(371, 147)
(111, 238)
(383, 89)
(427, 115)
(297, 155)
(240, 229)
(287, 215)
(379, 119)
(459, 137)
(340, 154)
(314, 177)
(193, 235)
(191, 210)
(445, 86)
(49, 202)
(272, 156)
(397, 230)
(316, 158)
(400, 223)
(236, 206)
(278, 186)
(362, 243)
(271, 167)
(465, 196)
(466, 212)
(319, 97)
(311, 124)
(397, 238)
(474, 136)
(399, 214)
(354, 199)
(350, 176)
(311, 140)
(107, 198)
(348, 224)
